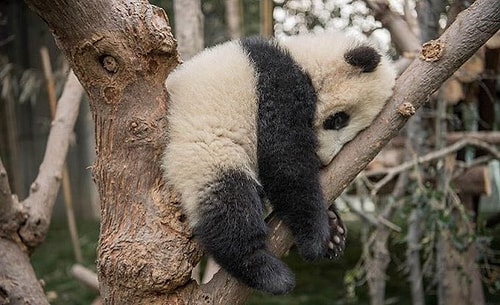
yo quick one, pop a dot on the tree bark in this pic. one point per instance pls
(18, 283)
(415, 276)
(23, 226)
(233, 18)
(189, 27)
(122, 52)
(266, 18)
(377, 259)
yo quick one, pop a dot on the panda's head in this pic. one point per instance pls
(352, 81)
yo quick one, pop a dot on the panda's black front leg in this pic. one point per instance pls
(305, 217)
(232, 229)
(293, 187)
(319, 232)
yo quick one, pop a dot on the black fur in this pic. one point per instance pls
(367, 58)
(232, 229)
(286, 150)
(231, 224)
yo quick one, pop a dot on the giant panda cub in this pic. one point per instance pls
(251, 120)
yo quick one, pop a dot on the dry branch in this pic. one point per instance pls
(86, 276)
(44, 189)
(66, 183)
(390, 173)
(490, 137)
(468, 33)
(376, 256)
(122, 51)
(18, 283)
(5, 193)
(24, 226)
(402, 35)
(413, 256)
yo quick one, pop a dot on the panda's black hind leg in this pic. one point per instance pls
(232, 229)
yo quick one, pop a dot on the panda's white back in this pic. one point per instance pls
(212, 119)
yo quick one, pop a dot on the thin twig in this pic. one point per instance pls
(372, 220)
(389, 224)
(393, 171)
(86, 276)
(361, 214)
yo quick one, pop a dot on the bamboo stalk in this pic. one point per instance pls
(66, 185)
(266, 18)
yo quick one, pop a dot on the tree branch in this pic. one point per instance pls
(122, 52)
(24, 226)
(18, 282)
(5, 193)
(403, 37)
(491, 137)
(368, 217)
(86, 276)
(441, 153)
(44, 189)
(12, 212)
(472, 29)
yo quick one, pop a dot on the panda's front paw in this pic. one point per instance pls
(338, 233)
(312, 240)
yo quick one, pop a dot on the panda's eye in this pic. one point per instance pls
(336, 121)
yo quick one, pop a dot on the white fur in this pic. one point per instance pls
(340, 86)
(212, 120)
(213, 109)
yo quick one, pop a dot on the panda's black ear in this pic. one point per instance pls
(366, 58)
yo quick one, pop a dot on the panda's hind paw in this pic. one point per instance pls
(265, 272)
(338, 233)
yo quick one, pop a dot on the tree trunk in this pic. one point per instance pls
(413, 257)
(460, 283)
(233, 18)
(188, 27)
(376, 265)
(266, 18)
(24, 225)
(23, 288)
(122, 52)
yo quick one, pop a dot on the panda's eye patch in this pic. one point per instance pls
(336, 121)
(366, 58)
